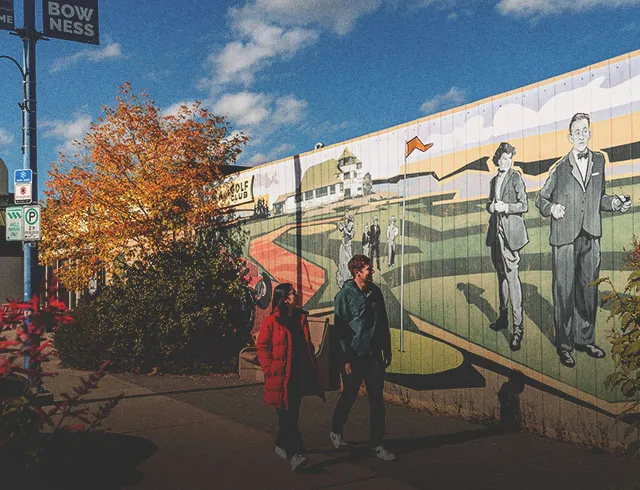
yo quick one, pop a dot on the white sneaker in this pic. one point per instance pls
(382, 453)
(337, 440)
(298, 461)
(282, 454)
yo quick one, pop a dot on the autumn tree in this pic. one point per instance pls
(138, 181)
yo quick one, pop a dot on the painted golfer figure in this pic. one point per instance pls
(507, 235)
(573, 196)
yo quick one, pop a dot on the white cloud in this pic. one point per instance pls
(244, 108)
(258, 109)
(271, 155)
(289, 110)
(259, 44)
(452, 16)
(5, 137)
(67, 131)
(267, 31)
(93, 54)
(334, 15)
(540, 8)
(453, 97)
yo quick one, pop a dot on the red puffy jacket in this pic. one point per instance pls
(274, 354)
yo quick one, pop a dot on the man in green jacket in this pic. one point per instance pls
(362, 327)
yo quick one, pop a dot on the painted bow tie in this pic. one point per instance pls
(584, 154)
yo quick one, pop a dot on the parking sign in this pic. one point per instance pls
(31, 223)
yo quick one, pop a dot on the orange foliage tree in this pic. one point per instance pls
(139, 181)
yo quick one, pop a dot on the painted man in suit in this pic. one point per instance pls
(573, 196)
(374, 240)
(392, 233)
(507, 235)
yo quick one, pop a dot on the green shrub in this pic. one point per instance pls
(625, 340)
(173, 312)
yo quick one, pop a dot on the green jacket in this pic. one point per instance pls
(361, 321)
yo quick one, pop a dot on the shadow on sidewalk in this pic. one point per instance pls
(167, 393)
(99, 461)
(361, 450)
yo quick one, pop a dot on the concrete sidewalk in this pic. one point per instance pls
(174, 432)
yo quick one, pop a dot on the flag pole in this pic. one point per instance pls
(404, 206)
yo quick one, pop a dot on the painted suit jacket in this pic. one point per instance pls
(514, 195)
(582, 202)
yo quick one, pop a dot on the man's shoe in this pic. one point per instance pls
(516, 339)
(566, 359)
(502, 322)
(592, 350)
(298, 461)
(337, 440)
(282, 454)
(384, 454)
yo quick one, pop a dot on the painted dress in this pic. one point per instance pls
(345, 253)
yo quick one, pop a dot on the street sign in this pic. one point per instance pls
(6, 15)
(22, 176)
(14, 224)
(73, 20)
(22, 194)
(31, 223)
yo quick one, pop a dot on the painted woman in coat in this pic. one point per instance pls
(507, 235)
(287, 357)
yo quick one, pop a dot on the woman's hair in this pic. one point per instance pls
(503, 148)
(280, 292)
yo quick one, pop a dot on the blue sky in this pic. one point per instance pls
(290, 73)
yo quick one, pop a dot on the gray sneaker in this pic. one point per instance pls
(298, 461)
(382, 453)
(337, 440)
(282, 454)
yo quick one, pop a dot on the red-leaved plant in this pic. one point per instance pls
(28, 429)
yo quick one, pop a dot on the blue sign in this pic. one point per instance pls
(22, 176)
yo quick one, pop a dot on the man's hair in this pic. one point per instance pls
(357, 263)
(503, 147)
(578, 117)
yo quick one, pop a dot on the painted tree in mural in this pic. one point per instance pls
(139, 181)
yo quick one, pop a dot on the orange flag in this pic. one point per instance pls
(415, 143)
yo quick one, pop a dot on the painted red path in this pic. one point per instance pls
(283, 265)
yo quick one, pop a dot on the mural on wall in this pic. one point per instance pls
(500, 226)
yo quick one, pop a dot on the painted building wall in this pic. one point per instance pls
(437, 274)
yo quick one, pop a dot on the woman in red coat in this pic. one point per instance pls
(287, 357)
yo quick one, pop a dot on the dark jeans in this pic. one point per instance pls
(369, 369)
(289, 437)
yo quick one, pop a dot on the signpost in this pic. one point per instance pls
(6, 15)
(75, 20)
(14, 224)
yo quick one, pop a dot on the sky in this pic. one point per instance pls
(291, 73)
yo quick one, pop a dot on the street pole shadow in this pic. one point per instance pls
(539, 310)
(473, 295)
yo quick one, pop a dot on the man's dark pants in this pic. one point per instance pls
(371, 369)
(575, 302)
